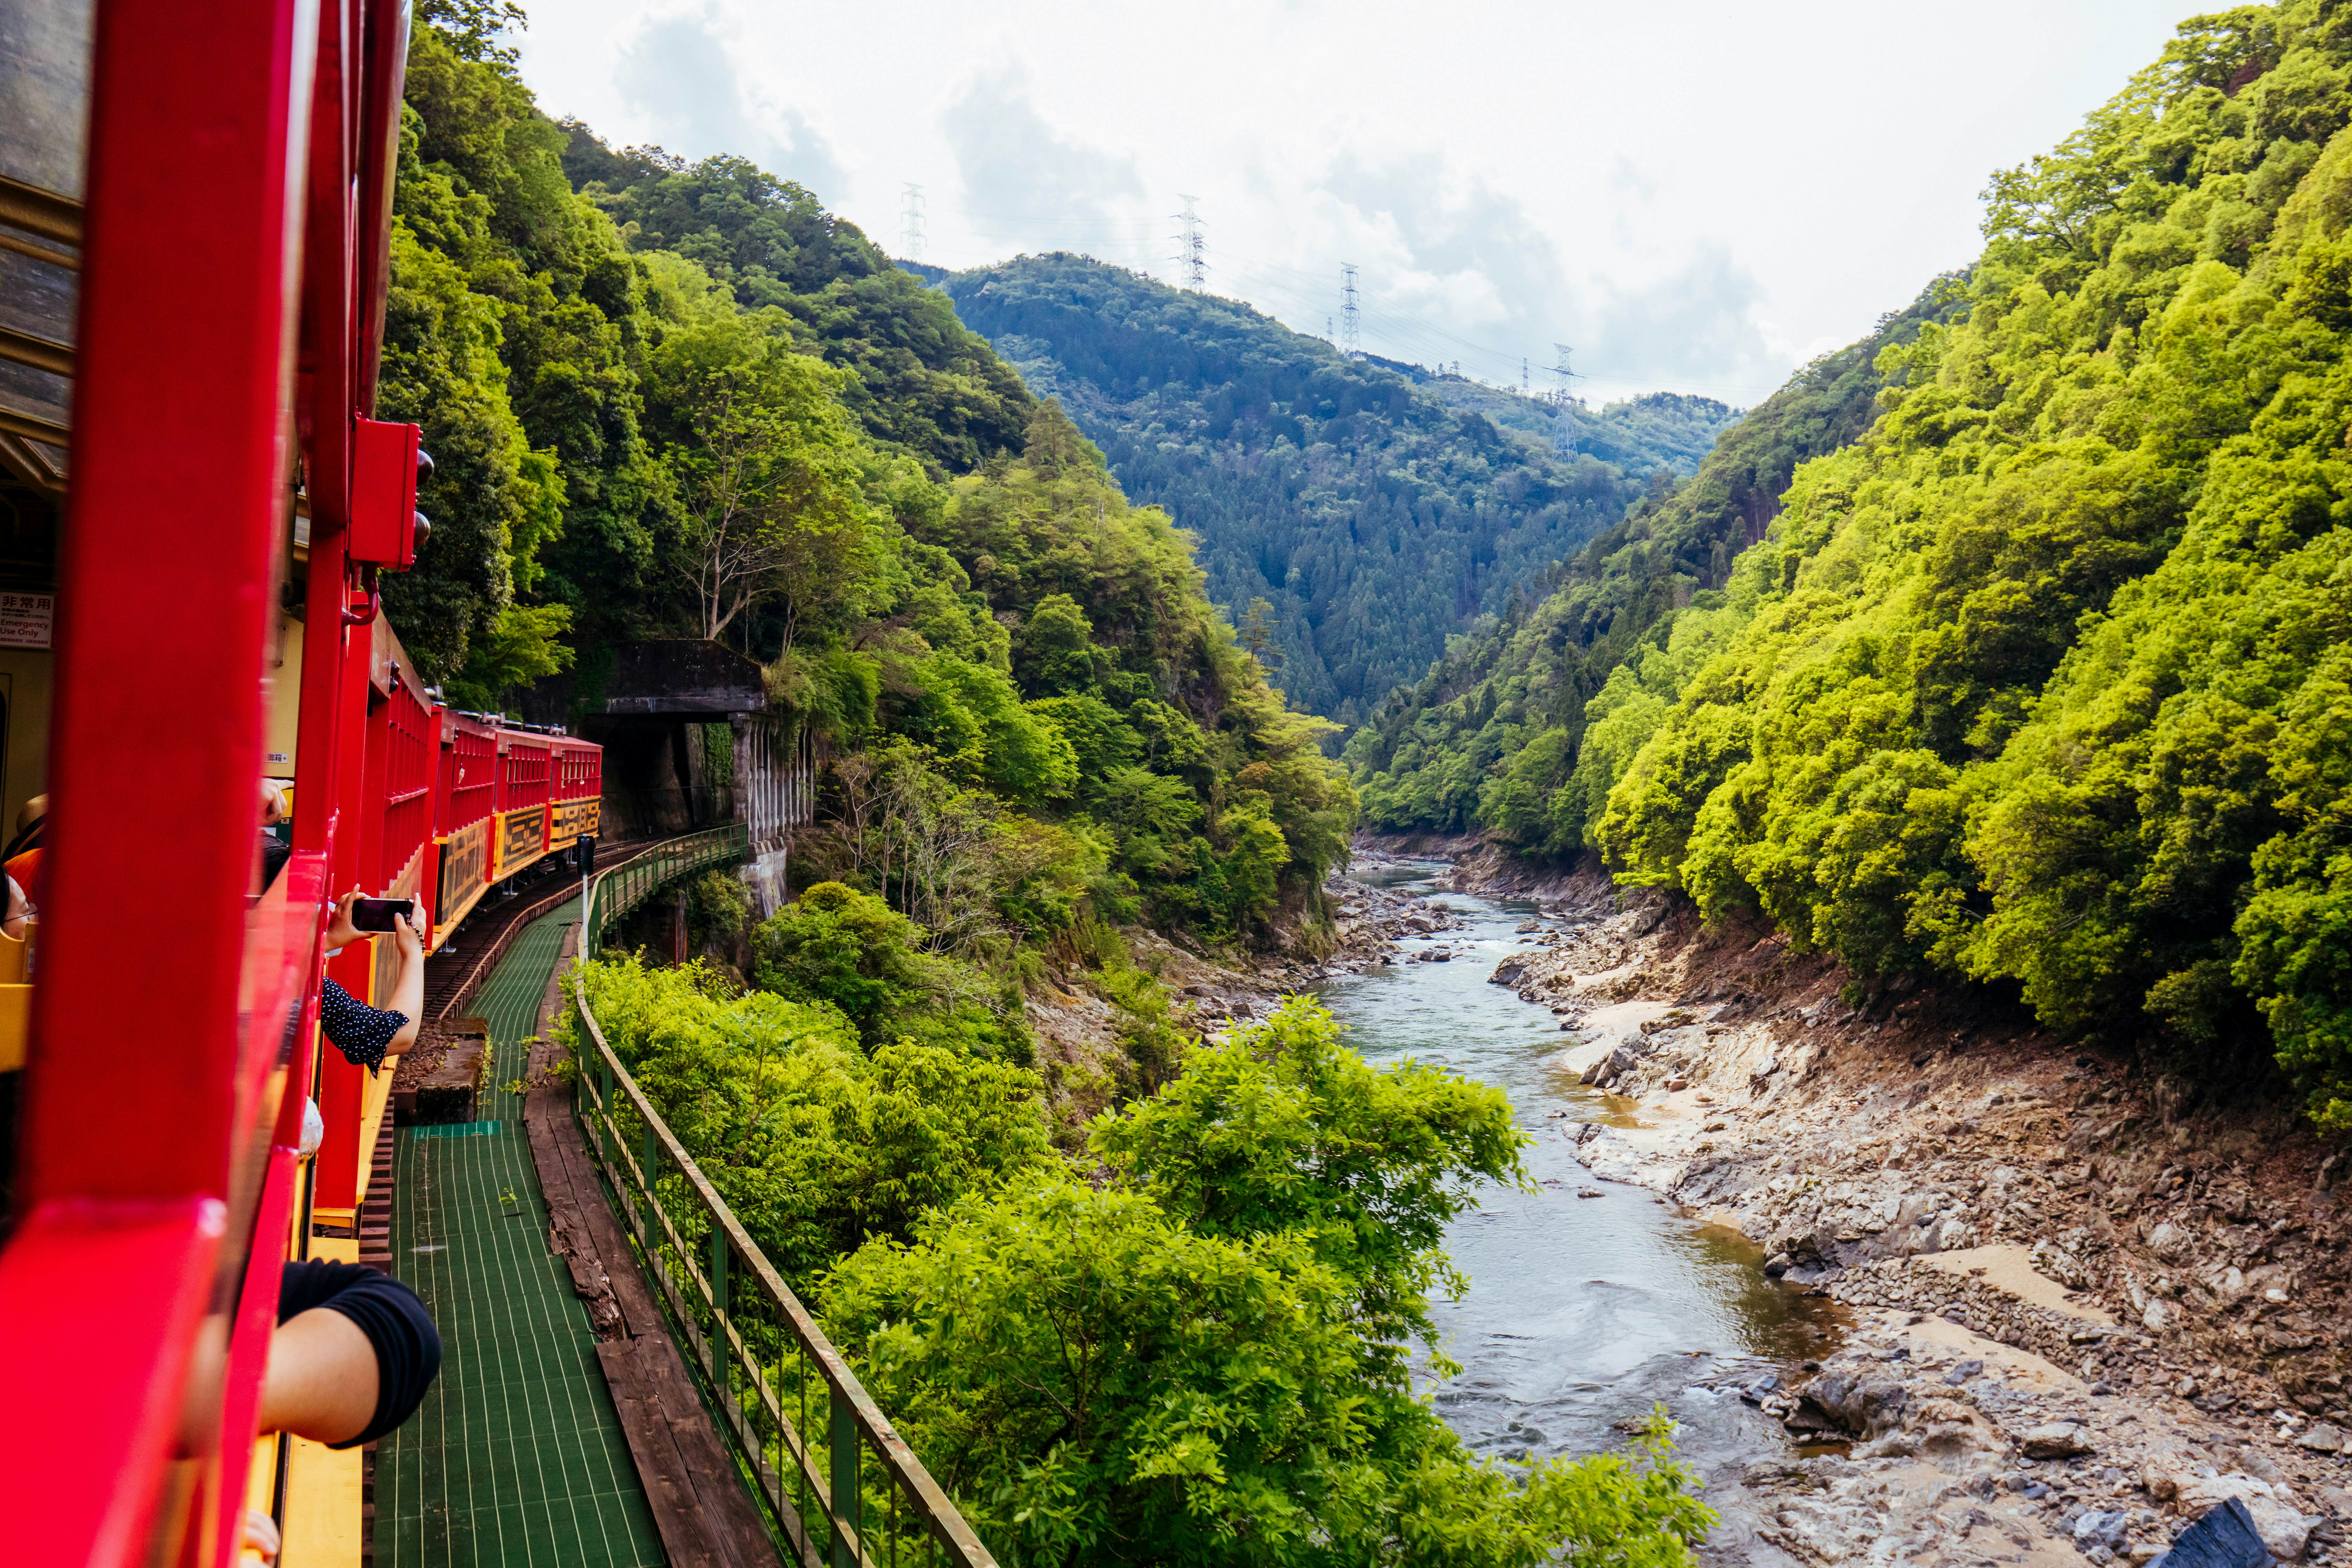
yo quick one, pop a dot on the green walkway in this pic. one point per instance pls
(515, 1456)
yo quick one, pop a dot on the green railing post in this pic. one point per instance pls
(842, 1440)
(720, 1357)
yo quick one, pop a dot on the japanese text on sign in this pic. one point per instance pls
(24, 619)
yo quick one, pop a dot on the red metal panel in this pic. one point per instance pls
(470, 765)
(341, 1085)
(384, 494)
(181, 469)
(581, 770)
(525, 773)
(181, 394)
(409, 757)
(92, 1387)
(466, 795)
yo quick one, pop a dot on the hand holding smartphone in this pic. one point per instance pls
(375, 914)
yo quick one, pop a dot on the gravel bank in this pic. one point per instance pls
(2085, 1309)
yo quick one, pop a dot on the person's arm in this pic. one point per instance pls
(366, 1035)
(408, 987)
(18, 907)
(354, 1352)
(323, 1378)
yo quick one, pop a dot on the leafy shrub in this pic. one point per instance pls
(815, 1145)
(1198, 1364)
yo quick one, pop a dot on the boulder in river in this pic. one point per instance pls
(1863, 1405)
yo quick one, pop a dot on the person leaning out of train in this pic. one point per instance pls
(354, 1354)
(367, 1035)
(22, 858)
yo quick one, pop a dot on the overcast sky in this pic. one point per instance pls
(1697, 198)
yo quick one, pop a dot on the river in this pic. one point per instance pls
(1581, 1313)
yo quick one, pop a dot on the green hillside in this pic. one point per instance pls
(1492, 737)
(1375, 519)
(2046, 678)
(686, 401)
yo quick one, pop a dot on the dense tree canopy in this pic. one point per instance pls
(921, 382)
(1198, 1363)
(1521, 730)
(2043, 678)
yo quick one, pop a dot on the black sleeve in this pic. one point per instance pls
(407, 1346)
(359, 1031)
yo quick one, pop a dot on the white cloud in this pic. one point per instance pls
(1021, 175)
(680, 74)
(1695, 197)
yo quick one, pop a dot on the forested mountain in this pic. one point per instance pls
(2046, 680)
(1670, 430)
(1374, 519)
(922, 384)
(728, 416)
(1493, 736)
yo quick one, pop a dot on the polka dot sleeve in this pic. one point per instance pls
(359, 1031)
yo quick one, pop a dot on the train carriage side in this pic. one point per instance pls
(239, 156)
(526, 761)
(395, 735)
(575, 807)
(403, 767)
(465, 803)
(244, 152)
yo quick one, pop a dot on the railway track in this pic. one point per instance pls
(452, 974)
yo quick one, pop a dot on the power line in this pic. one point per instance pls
(1412, 337)
(1191, 258)
(1351, 339)
(1563, 443)
(910, 223)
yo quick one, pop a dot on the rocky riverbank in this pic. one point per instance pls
(2084, 1309)
(1211, 992)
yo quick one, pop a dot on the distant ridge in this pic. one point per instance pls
(1379, 509)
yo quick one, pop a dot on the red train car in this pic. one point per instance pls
(466, 797)
(200, 414)
(575, 803)
(526, 777)
(549, 788)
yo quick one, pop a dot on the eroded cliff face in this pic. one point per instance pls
(2085, 1308)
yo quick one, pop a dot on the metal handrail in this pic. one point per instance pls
(614, 891)
(759, 1353)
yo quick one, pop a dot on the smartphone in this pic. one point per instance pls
(375, 914)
